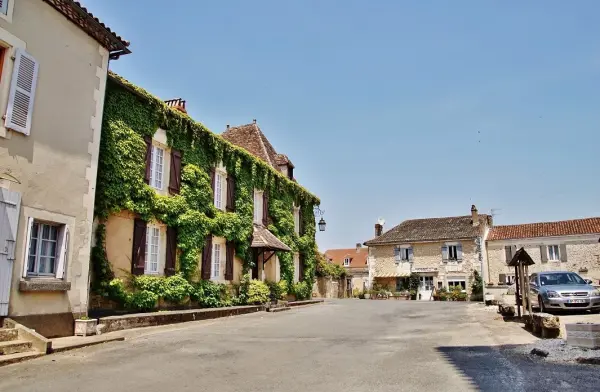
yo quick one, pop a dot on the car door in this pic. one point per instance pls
(533, 290)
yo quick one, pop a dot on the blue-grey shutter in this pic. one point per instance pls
(459, 252)
(410, 254)
(544, 253)
(563, 253)
(444, 252)
(396, 253)
(10, 204)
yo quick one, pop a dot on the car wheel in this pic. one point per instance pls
(541, 304)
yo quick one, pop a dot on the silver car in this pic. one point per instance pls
(562, 290)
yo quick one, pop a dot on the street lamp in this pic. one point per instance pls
(322, 224)
(318, 212)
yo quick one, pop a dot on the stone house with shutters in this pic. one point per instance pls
(54, 57)
(354, 260)
(444, 252)
(570, 245)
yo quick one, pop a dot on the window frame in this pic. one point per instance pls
(150, 229)
(215, 268)
(154, 166)
(347, 261)
(9, 11)
(258, 206)
(555, 252)
(10, 43)
(39, 242)
(463, 285)
(450, 248)
(297, 220)
(220, 194)
(296, 260)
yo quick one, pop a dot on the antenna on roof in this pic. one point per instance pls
(494, 212)
(381, 221)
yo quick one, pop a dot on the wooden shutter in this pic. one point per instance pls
(22, 92)
(543, 253)
(410, 254)
(563, 253)
(265, 211)
(513, 250)
(229, 256)
(459, 254)
(138, 256)
(444, 252)
(10, 204)
(175, 175)
(63, 250)
(207, 258)
(171, 251)
(508, 253)
(230, 205)
(28, 241)
(148, 158)
(301, 268)
(501, 278)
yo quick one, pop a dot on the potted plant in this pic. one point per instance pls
(367, 294)
(413, 294)
(85, 326)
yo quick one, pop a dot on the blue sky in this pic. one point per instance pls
(392, 109)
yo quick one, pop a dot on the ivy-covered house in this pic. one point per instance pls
(175, 199)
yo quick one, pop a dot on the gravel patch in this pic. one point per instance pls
(558, 351)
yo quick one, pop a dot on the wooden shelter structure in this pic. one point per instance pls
(521, 261)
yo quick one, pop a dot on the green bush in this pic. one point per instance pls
(210, 294)
(258, 292)
(278, 290)
(302, 291)
(176, 289)
(477, 285)
(325, 268)
(142, 300)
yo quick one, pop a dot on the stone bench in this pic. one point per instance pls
(583, 335)
(544, 325)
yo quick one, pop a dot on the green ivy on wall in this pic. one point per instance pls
(130, 114)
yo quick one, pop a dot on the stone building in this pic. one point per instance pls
(444, 252)
(354, 260)
(570, 245)
(53, 64)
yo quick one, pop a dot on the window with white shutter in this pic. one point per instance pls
(47, 249)
(22, 93)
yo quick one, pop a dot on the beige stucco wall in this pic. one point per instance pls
(427, 255)
(56, 165)
(583, 252)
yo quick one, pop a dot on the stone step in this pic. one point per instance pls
(14, 346)
(18, 357)
(279, 309)
(7, 334)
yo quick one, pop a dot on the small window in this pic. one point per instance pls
(220, 192)
(156, 167)
(152, 244)
(403, 254)
(258, 206)
(297, 220)
(452, 252)
(43, 249)
(347, 262)
(296, 267)
(457, 283)
(216, 261)
(553, 253)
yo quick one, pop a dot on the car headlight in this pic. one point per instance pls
(552, 294)
(595, 293)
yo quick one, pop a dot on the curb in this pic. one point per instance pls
(86, 344)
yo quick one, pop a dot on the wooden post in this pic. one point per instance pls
(528, 290)
(517, 292)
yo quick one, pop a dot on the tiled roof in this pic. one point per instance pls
(431, 229)
(263, 238)
(545, 229)
(358, 258)
(251, 138)
(282, 159)
(79, 15)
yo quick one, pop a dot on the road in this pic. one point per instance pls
(342, 345)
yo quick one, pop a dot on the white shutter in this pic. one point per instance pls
(27, 242)
(22, 92)
(62, 257)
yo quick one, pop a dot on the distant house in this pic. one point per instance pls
(570, 245)
(444, 252)
(354, 260)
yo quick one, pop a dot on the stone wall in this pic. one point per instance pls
(582, 254)
(329, 288)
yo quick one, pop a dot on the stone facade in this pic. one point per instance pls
(583, 256)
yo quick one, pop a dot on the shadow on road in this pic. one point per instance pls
(505, 368)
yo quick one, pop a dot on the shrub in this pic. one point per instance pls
(325, 268)
(258, 292)
(210, 294)
(176, 289)
(116, 291)
(477, 285)
(142, 300)
(302, 290)
(414, 282)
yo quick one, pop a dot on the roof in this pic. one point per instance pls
(251, 138)
(545, 229)
(431, 229)
(78, 14)
(358, 258)
(282, 159)
(263, 238)
(521, 257)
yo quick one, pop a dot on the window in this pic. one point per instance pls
(403, 254)
(6, 9)
(216, 261)
(156, 167)
(296, 267)
(220, 184)
(258, 206)
(553, 252)
(452, 252)
(347, 262)
(297, 220)
(457, 283)
(43, 249)
(508, 252)
(152, 241)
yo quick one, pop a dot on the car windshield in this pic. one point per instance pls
(560, 279)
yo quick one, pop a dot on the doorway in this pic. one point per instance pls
(425, 288)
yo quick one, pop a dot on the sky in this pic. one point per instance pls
(391, 109)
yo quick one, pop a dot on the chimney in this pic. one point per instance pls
(378, 229)
(254, 121)
(177, 103)
(474, 215)
(227, 126)
(358, 246)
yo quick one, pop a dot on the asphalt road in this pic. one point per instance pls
(345, 345)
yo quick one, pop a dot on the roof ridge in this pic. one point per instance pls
(547, 222)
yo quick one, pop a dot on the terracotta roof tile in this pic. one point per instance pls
(251, 138)
(545, 229)
(263, 238)
(358, 258)
(431, 229)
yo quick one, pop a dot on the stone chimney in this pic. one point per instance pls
(177, 103)
(474, 215)
(378, 229)
(358, 246)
